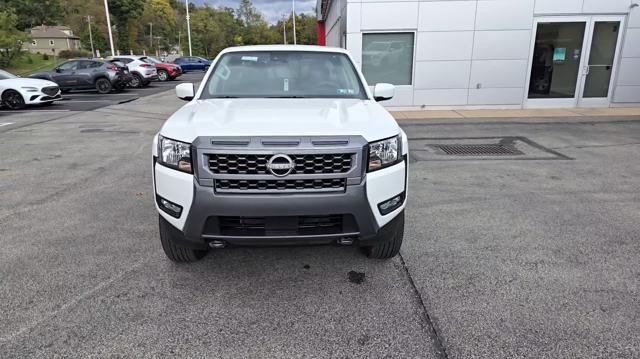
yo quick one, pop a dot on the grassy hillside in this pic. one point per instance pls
(31, 63)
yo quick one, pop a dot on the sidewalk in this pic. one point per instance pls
(529, 114)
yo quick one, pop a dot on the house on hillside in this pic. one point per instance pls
(52, 39)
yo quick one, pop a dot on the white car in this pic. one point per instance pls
(281, 145)
(18, 92)
(142, 70)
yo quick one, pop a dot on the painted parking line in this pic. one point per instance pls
(5, 123)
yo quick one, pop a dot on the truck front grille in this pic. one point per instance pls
(256, 164)
(280, 185)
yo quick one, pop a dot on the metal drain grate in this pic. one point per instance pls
(479, 150)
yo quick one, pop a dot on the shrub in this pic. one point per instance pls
(45, 57)
(29, 60)
(69, 54)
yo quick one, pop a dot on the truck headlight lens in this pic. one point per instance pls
(384, 153)
(175, 154)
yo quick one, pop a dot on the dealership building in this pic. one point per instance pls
(492, 53)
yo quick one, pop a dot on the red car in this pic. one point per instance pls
(166, 71)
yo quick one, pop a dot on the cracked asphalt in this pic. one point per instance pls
(502, 258)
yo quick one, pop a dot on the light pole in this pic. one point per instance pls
(293, 6)
(106, 9)
(188, 26)
(284, 30)
(150, 37)
(93, 51)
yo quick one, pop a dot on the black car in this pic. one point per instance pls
(83, 74)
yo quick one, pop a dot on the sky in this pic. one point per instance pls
(273, 10)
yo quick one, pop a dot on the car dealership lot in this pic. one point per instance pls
(87, 100)
(533, 256)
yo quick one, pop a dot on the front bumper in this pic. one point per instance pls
(202, 207)
(35, 99)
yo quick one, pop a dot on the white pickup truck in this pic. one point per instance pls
(281, 145)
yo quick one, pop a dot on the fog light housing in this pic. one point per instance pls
(169, 207)
(391, 204)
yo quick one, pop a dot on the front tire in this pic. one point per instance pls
(136, 81)
(13, 100)
(103, 86)
(179, 254)
(163, 75)
(390, 244)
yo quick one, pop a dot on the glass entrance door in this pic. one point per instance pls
(573, 61)
(599, 69)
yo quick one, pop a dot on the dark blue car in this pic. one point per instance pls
(192, 63)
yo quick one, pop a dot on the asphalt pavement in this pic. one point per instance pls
(527, 257)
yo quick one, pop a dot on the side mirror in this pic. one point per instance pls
(185, 91)
(58, 70)
(383, 92)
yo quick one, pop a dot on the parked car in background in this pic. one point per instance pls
(17, 92)
(192, 63)
(142, 70)
(82, 74)
(166, 71)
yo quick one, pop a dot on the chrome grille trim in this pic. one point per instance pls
(238, 165)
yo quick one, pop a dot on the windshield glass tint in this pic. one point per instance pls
(5, 75)
(288, 74)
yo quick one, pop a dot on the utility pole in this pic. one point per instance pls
(188, 26)
(293, 5)
(284, 30)
(93, 51)
(106, 9)
(150, 37)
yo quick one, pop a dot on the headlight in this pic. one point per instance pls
(30, 89)
(384, 153)
(175, 154)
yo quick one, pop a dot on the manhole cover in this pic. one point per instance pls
(479, 150)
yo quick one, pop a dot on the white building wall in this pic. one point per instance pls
(476, 52)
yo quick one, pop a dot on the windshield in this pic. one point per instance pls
(6, 75)
(284, 74)
(152, 60)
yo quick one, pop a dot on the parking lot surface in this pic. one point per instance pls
(528, 257)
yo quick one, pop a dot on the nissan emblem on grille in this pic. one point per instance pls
(280, 165)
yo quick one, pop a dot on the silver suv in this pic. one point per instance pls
(142, 70)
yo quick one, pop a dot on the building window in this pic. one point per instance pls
(388, 57)
(51, 43)
(34, 42)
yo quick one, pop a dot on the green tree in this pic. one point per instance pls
(100, 41)
(124, 12)
(11, 39)
(163, 17)
(30, 13)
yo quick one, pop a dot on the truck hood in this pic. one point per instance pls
(280, 117)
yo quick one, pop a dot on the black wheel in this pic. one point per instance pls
(103, 85)
(177, 253)
(136, 81)
(163, 75)
(390, 244)
(145, 83)
(13, 100)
